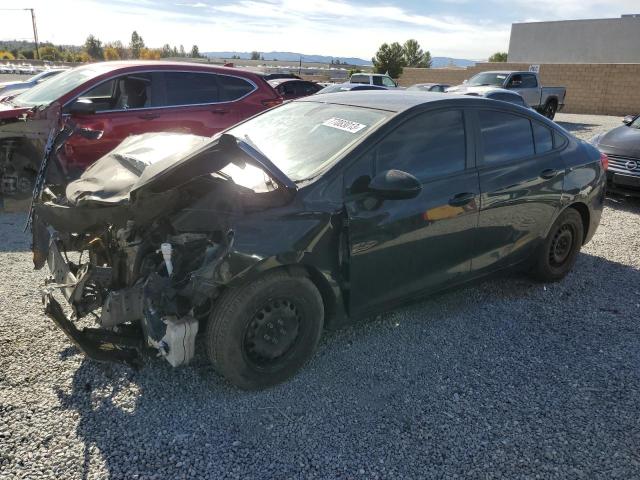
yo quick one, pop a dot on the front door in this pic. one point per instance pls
(403, 248)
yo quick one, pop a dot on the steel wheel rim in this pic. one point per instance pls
(561, 245)
(272, 334)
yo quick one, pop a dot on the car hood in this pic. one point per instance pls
(10, 111)
(622, 140)
(157, 162)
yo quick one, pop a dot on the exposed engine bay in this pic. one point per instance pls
(143, 240)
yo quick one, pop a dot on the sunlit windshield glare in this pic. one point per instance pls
(51, 90)
(301, 138)
(636, 123)
(494, 79)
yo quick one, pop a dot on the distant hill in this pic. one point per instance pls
(294, 57)
(439, 62)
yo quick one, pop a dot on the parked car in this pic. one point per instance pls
(277, 76)
(116, 100)
(622, 146)
(16, 87)
(377, 79)
(429, 87)
(325, 210)
(500, 94)
(546, 100)
(289, 88)
(349, 87)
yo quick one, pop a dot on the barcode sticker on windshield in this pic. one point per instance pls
(346, 125)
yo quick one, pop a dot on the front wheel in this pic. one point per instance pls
(559, 252)
(262, 333)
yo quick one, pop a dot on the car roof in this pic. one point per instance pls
(390, 100)
(278, 81)
(116, 65)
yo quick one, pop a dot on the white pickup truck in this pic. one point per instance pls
(377, 79)
(546, 100)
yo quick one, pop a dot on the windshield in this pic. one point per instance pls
(487, 78)
(51, 90)
(636, 123)
(301, 138)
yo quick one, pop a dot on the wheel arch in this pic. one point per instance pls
(585, 215)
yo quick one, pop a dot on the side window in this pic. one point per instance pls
(559, 140)
(377, 81)
(308, 88)
(515, 81)
(387, 82)
(122, 93)
(504, 136)
(428, 145)
(543, 137)
(233, 88)
(529, 81)
(191, 88)
(360, 79)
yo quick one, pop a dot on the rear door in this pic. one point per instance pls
(402, 248)
(521, 184)
(202, 103)
(526, 84)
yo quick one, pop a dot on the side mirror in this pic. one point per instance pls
(395, 185)
(628, 120)
(82, 106)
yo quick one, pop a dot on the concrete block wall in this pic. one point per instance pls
(592, 88)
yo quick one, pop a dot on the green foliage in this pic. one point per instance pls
(389, 59)
(136, 45)
(255, 55)
(353, 70)
(414, 56)
(195, 52)
(498, 57)
(51, 53)
(93, 47)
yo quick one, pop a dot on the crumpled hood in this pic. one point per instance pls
(622, 140)
(159, 162)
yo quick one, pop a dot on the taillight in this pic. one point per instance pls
(272, 102)
(604, 160)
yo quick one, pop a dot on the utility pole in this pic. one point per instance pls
(35, 31)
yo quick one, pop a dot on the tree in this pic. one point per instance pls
(50, 53)
(150, 53)
(136, 44)
(6, 55)
(498, 57)
(181, 53)
(255, 55)
(93, 47)
(110, 53)
(123, 52)
(195, 52)
(389, 59)
(414, 56)
(166, 51)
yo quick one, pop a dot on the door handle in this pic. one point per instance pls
(548, 174)
(148, 116)
(462, 199)
(219, 111)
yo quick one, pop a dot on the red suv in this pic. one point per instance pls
(119, 99)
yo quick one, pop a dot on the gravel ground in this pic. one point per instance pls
(505, 379)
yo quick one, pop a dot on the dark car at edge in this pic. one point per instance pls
(622, 146)
(323, 211)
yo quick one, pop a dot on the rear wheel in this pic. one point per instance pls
(262, 333)
(550, 109)
(559, 252)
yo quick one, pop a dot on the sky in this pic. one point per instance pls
(468, 29)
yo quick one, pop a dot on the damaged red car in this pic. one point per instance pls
(116, 100)
(322, 211)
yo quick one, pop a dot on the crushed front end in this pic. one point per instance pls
(142, 242)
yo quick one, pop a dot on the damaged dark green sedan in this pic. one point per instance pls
(308, 216)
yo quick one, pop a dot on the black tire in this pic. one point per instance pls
(557, 255)
(550, 109)
(262, 333)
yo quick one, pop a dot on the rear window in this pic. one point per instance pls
(543, 138)
(505, 136)
(360, 79)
